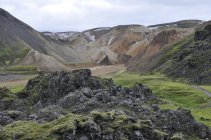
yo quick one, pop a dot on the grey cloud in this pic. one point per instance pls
(65, 15)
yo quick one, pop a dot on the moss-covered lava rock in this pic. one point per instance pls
(74, 105)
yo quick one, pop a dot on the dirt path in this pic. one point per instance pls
(14, 83)
(105, 70)
(202, 90)
(14, 80)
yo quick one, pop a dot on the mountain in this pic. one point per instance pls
(182, 53)
(139, 47)
(22, 45)
(179, 24)
(113, 43)
(190, 58)
(126, 43)
(19, 42)
(150, 50)
(60, 35)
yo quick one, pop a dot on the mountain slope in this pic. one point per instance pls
(191, 58)
(112, 43)
(179, 24)
(17, 39)
(137, 46)
(151, 51)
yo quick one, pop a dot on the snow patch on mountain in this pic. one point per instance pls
(89, 36)
(60, 35)
(66, 35)
(101, 29)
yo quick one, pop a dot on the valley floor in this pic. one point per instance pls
(17, 82)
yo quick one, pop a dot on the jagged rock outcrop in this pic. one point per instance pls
(102, 110)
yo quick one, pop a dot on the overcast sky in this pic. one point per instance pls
(78, 15)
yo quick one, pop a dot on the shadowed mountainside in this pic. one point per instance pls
(191, 57)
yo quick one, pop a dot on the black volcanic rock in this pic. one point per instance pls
(204, 34)
(107, 111)
(51, 87)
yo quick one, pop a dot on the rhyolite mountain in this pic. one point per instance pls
(76, 106)
(141, 48)
(22, 45)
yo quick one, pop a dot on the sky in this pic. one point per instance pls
(79, 15)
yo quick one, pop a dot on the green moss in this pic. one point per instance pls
(29, 69)
(108, 130)
(206, 87)
(6, 95)
(174, 94)
(132, 127)
(15, 89)
(66, 123)
(62, 128)
(105, 116)
(188, 59)
(116, 124)
(159, 134)
(23, 130)
(10, 55)
(115, 120)
(175, 47)
(180, 136)
(69, 123)
(31, 130)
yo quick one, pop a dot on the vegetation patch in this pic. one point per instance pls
(189, 58)
(23, 130)
(11, 55)
(174, 94)
(29, 69)
(206, 87)
(15, 89)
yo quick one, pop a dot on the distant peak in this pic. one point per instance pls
(4, 13)
(181, 24)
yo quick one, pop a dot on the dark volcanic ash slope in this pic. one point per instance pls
(191, 57)
(102, 110)
(18, 39)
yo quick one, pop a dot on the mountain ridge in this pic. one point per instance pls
(140, 48)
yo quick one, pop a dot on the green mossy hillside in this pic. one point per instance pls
(11, 55)
(110, 122)
(107, 122)
(189, 59)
